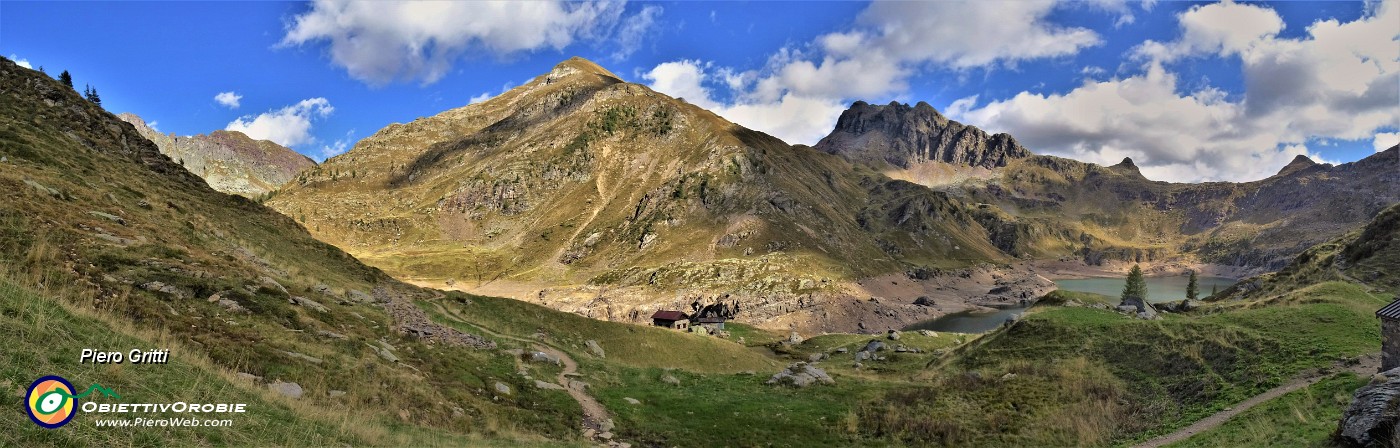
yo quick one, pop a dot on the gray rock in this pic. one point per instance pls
(794, 338)
(545, 358)
(383, 353)
(842, 350)
(502, 388)
(606, 425)
(923, 301)
(928, 333)
(307, 303)
(336, 393)
(873, 346)
(893, 335)
(547, 385)
(816, 357)
(1373, 418)
(268, 282)
(303, 357)
(330, 334)
(594, 348)
(800, 375)
(670, 379)
(358, 296)
(631, 401)
(291, 390)
(108, 216)
(862, 356)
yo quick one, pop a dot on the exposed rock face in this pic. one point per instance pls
(229, 161)
(903, 136)
(801, 375)
(1373, 419)
(1299, 163)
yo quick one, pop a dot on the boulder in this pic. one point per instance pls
(547, 385)
(631, 401)
(1373, 418)
(670, 379)
(594, 348)
(290, 390)
(502, 388)
(794, 338)
(923, 301)
(545, 358)
(928, 333)
(269, 283)
(873, 346)
(336, 393)
(800, 375)
(893, 335)
(307, 303)
(816, 357)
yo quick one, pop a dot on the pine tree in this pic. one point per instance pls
(1191, 291)
(1136, 287)
(91, 95)
(66, 79)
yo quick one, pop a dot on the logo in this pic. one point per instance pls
(51, 403)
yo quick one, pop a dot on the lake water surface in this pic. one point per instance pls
(1159, 289)
(968, 321)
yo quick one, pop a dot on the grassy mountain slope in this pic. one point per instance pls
(106, 243)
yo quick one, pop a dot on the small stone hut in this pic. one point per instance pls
(1390, 335)
(670, 319)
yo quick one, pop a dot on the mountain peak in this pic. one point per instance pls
(902, 135)
(575, 66)
(1299, 163)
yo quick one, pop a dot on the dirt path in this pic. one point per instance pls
(1368, 365)
(595, 416)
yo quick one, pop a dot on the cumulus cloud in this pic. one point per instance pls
(1341, 81)
(21, 62)
(801, 90)
(383, 41)
(228, 99)
(1385, 140)
(338, 147)
(288, 126)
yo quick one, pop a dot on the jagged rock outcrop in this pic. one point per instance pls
(1299, 163)
(229, 161)
(904, 136)
(1373, 418)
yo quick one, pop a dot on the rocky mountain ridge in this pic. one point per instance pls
(229, 161)
(904, 136)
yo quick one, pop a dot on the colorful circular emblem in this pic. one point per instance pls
(50, 401)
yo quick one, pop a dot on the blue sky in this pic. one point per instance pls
(1190, 91)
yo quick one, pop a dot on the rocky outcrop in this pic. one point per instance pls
(1373, 419)
(903, 136)
(799, 375)
(229, 161)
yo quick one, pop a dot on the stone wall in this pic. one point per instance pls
(1390, 344)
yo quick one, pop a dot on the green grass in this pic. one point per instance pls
(44, 337)
(1301, 418)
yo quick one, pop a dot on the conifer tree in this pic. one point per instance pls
(66, 79)
(1136, 286)
(1191, 288)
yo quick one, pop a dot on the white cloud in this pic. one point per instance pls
(382, 41)
(1342, 81)
(228, 99)
(633, 30)
(338, 147)
(21, 62)
(152, 125)
(288, 126)
(801, 91)
(479, 98)
(1385, 140)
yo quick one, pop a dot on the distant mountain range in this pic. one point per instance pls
(229, 161)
